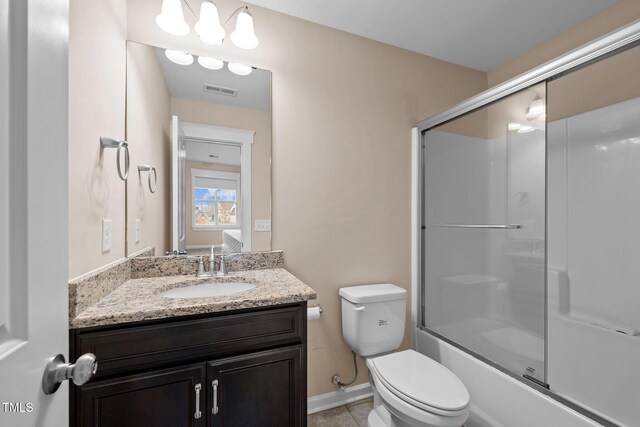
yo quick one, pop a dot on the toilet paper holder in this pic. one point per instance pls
(314, 312)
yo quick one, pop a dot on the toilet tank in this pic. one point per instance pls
(373, 318)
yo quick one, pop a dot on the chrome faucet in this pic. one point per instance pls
(212, 265)
(212, 260)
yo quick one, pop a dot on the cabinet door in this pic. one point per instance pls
(171, 397)
(266, 389)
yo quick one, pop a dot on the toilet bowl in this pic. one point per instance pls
(410, 389)
(417, 391)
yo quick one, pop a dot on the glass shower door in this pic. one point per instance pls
(594, 256)
(484, 232)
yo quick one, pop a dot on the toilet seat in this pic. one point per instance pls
(420, 382)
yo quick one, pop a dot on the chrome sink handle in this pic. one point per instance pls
(57, 371)
(222, 270)
(201, 272)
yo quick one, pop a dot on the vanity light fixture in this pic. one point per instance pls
(210, 63)
(208, 26)
(171, 18)
(179, 57)
(239, 69)
(536, 110)
(244, 37)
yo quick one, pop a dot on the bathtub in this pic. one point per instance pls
(497, 399)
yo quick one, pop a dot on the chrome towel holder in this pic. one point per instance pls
(153, 184)
(121, 145)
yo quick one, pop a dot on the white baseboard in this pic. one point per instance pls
(338, 398)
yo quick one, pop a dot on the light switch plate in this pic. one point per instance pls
(106, 235)
(138, 230)
(263, 225)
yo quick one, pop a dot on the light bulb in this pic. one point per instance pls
(171, 18)
(526, 129)
(243, 36)
(208, 27)
(239, 69)
(179, 57)
(210, 63)
(536, 109)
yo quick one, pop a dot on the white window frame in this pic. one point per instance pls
(229, 176)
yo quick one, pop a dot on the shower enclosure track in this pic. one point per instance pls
(489, 226)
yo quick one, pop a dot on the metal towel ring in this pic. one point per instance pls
(153, 184)
(107, 142)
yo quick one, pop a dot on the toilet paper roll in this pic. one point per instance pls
(313, 313)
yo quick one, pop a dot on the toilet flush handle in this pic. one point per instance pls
(361, 308)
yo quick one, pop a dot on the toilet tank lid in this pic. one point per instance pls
(372, 293)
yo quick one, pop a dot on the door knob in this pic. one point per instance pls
(57, 371)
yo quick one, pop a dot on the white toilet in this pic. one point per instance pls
(409, 389)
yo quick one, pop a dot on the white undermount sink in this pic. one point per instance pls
(208, 289)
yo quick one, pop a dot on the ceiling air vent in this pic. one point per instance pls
(219, 90)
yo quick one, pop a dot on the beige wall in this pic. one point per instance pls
(240, 118)
(201, 237)
(617, 16)
(97, 59)
(343, 108)
(148, 121)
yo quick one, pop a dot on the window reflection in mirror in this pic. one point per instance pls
(208, 134)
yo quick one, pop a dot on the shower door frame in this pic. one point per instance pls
(601, 48)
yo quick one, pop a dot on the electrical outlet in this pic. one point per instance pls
(106, 235)
(138, 230)
(263, 225)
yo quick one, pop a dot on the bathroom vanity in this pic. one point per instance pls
(237, 360)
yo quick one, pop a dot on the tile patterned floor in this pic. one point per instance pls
(351, 415)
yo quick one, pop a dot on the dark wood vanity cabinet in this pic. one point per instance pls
(228, 369)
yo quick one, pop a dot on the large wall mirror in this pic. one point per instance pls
(199, 133)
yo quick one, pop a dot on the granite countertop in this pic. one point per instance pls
(139, 299)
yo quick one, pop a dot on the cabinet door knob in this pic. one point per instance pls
(214, 409)
(198, 414)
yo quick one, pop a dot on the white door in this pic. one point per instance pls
(178, 158)
(33, 208)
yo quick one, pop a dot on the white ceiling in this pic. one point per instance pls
(480, 34)
(186, 81)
